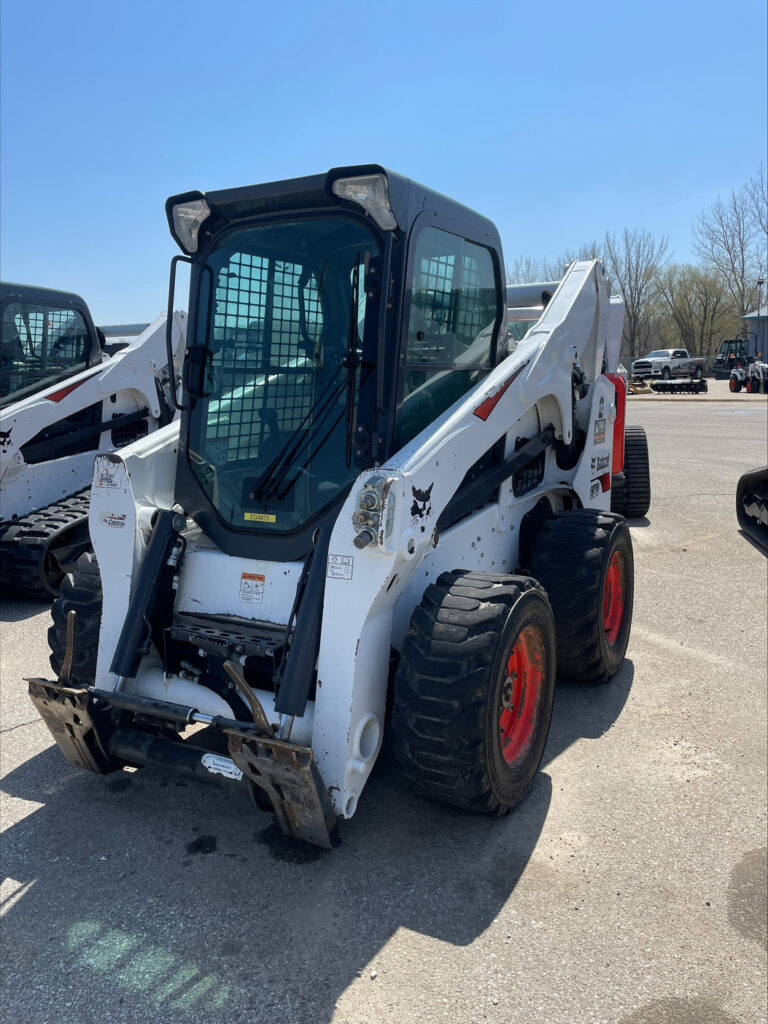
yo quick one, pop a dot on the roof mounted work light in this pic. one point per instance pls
(371, 191)
(187, 220)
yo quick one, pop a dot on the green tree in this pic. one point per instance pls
(698, 308)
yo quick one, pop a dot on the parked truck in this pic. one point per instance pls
(666, 363)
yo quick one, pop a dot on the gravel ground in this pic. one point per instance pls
(629, 886)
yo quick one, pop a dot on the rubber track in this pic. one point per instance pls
(441, 688)
(637, 494)
(81, 592)
(24, 542)
(567, 561)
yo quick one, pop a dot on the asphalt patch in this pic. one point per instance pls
(747, 896)
(202, 844)
(680, 1011)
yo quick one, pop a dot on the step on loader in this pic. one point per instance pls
(67, 394)
(377, 512)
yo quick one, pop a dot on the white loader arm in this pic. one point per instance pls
(139, 364)
(425, 474)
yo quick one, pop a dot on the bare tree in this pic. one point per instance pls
(757, 189)
(732, 239)
(699, 307)
(527, 269)
(634, 262)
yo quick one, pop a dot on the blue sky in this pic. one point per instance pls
(559, 121)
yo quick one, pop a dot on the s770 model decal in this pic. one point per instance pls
(486, 407)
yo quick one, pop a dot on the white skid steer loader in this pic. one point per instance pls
(63, 399)
(372, 514)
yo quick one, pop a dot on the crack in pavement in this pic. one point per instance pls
(21, 725)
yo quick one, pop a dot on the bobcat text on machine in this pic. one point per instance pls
(65, 395)
(364, 476)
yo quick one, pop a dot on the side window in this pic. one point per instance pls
(451, 326)
(678, 354)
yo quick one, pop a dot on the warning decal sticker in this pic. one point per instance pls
(252, 587)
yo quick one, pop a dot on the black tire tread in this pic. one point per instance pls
(441, 687)
(637, 497)
(567, 560)
(81, 592)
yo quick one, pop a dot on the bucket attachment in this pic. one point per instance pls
(291, 779)
(752, 505)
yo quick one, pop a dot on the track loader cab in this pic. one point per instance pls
(47, 336)
(367, 474)
(335, 318)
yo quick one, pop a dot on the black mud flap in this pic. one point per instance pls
(291, 779)
(73, 722)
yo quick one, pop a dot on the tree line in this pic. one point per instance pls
(691, 305)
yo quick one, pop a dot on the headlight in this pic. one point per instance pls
(187, 221)
(371, 191)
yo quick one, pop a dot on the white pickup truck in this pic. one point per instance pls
(666, 363)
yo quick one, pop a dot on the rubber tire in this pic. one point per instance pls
(734, 385)
(570, 559)
(698, 374)
(637, 470)
(666, 373)
(448, 687)
(81, 592)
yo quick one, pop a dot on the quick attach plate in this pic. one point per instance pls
(291, 779)
(69, 715)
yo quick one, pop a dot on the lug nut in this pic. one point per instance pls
(364, 538)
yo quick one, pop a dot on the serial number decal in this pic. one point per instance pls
(218, 765)
(117, 522)
(340, 567)
(252, 587)
(260, 517)
(599, 431)
(594, 490)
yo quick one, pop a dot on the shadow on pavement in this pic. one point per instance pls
(17, 610)
(751, 540)
(639, 521)
(185, 904)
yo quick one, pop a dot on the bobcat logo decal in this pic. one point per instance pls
(5, 438)
(421, 507)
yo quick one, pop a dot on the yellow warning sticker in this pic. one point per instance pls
(260, 517)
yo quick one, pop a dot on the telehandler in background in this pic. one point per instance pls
(371, 515)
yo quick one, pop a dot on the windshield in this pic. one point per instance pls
(40, 346)
(271, 442)
(662, 353)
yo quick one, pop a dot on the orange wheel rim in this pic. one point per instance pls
(521, 695)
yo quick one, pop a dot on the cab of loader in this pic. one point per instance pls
(47, 336)
(332, 319)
